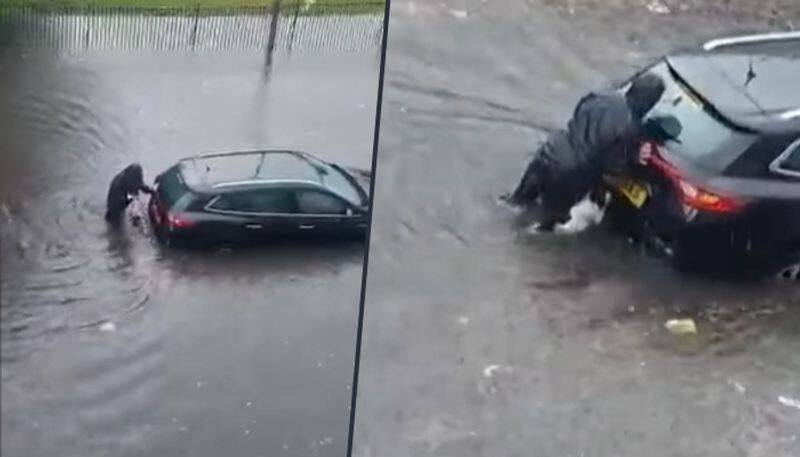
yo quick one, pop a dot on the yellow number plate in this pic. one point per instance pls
(636, 193)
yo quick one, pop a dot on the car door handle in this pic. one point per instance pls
(306, 227)
(254, 226)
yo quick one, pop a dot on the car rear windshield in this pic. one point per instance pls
(171, 186)
(335, 180)
(705, 139)
(792, 161)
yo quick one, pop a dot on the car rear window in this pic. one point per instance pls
(171, 186)
(336, 181)
(792, 161)
(704, 139)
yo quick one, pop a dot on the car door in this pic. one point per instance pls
(324, 214)
(257, 214)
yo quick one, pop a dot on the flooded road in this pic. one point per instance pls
(484, 342)
(113, 346)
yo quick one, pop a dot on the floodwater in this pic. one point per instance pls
(114, 346)
(482, 341)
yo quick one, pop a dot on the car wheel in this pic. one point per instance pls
(790, 273)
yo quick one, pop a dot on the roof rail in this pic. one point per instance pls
(791, 114)
(750, 39)
(253, 182)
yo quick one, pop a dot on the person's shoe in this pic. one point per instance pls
(544, 227)
(508, 198)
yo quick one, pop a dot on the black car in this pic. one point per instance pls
(255, 196)
(720, 179)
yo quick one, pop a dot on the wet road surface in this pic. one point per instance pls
(112, 345)
(482, 341)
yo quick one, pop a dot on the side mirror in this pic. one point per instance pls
(663, 128)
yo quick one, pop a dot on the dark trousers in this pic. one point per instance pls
(553, 192)
(116, 208)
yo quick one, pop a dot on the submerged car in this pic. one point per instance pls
(255, 196)
(720, 180)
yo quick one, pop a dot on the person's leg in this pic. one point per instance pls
(117, 203)
(557, 199)
(529, 187)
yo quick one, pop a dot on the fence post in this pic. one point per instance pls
(194, 29)
(88, 18)
(294, 24)
(273, 29)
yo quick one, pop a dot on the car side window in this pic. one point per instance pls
(792, 161)
(313, 202)
(270, 201)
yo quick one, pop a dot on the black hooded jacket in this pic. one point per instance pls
(603, 129)
(125, 184)
(600, 136)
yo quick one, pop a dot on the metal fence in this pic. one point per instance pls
(299, 27)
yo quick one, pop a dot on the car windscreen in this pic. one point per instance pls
(704, 139)
(171, 186)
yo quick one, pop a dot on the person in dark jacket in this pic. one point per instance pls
(125, 185)
(571, 162)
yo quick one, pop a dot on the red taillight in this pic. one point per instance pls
(178, 221)
(691, 195)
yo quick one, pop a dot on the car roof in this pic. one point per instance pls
(228, 171)
(753, 84)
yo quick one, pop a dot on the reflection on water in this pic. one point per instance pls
(113, 345)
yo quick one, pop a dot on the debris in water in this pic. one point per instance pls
(247, 432)
(6, 212)
(459, 14)
(790, 402)
(489, 371)
(738, 386)
(108, 326)
(655, 6)
(285, 446)
(199, 384)
(183, 429)
(248, 404)
(681, 327)
(463, 320)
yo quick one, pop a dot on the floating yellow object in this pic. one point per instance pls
(681, 326)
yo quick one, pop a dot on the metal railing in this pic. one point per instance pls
(289, 26)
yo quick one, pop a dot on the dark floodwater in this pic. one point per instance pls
(481, 341)
(112, 345)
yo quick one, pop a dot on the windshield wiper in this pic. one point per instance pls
(751, 74)
(708, 107)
